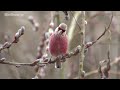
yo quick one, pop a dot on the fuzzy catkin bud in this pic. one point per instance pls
(22, 30)
(18, 34)
(36, 28)
(36, 77)
(31, 19)
(88, 44)
(18, 66)
(2, 59)
(50, 31)
(6, 45)
(51, 24)
(47, 48)
(47, 35)
(45, 56)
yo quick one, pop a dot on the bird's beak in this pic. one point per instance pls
(61, 31)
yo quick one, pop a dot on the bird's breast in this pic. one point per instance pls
(58, 44)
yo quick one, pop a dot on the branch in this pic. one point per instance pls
(3, 61)
(7, 45)
(81, 72)
(45, 60)
(76, 20)
(73, 25)
(105, 72)
(44, 44)
(115, 61)
(66, 15)
(89, 44)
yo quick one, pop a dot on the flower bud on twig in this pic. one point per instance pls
(18, 34)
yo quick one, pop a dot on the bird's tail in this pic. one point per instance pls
(58, 64)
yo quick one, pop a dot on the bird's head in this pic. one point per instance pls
(61, 29)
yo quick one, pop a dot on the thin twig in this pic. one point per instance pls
(106, 29)
(75, 20)
(66, 15)
(73, 25)
(18, 64)
(105, 72)
(115, 61)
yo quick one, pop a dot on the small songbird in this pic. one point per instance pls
(58, 43)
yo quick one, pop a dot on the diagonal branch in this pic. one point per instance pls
(106, 29)
(75, 20)
(15, 40)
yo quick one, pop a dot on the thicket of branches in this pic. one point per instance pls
(74, 61)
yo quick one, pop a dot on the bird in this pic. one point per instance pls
(58, 43)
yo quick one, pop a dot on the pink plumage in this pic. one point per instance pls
(58, 44)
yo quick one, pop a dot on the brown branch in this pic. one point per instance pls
(66, 15)
(105, 72)
(75, 20)
(81, 71)
(4, 61)
(115, 61)
(44, 61)
(115, 73)
(89, 44)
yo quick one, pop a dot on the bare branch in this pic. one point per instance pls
(75, 20)
(66, 15)
(105, 72)
(115, 61)
(106, 29)
(18, 64)
(81, 72)
(44, 61)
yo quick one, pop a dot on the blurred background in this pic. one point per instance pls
(26, 49)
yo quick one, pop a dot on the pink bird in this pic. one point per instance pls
(58, 43)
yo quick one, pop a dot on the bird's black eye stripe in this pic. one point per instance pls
(61, 29)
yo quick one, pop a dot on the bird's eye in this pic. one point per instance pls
(61, 29)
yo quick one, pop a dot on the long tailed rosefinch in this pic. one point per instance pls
(58, 43)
